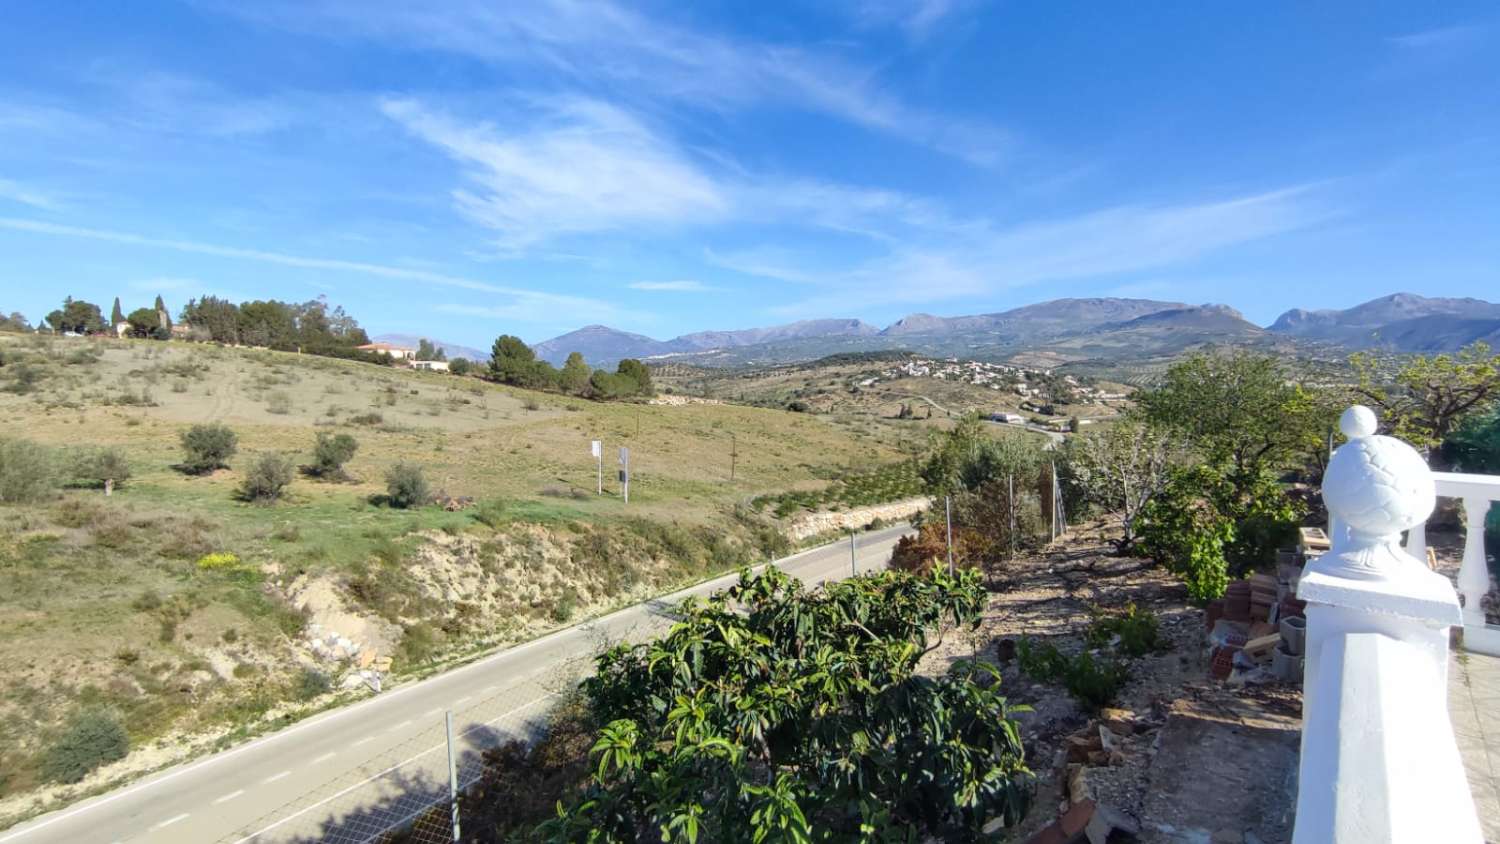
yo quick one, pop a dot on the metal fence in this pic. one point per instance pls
(403, 793)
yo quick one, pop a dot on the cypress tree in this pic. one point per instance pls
(116, 316)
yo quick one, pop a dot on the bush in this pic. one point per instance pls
(95, 468)
(1093, 683)
(406, 486)
(330, 453)
(279, 403)
(1135, 628)
(371, 419)
(312, 683)
(90, 739)
(208, 447)
(28, 472)
(267, 479)
(490, 513)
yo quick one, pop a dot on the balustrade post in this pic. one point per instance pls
(1474, 574)
(1379, 759)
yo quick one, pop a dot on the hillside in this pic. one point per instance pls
(195, 614)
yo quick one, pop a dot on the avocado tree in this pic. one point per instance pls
(775, 713)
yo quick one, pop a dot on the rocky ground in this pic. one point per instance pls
(1102, 766)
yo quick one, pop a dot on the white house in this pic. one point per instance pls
(397, 352)
(430, 365)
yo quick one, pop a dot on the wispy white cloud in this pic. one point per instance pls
(1441, 38)
(540, 306)
(916, 17)
(585, 166)
(685, 286)
(27, 195)
(162, 101)
(1099, 244)
(607, 44)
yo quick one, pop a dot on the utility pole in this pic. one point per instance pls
(853, 564)
(452, 773)
(948, 517)
(598, 451)
(625, 472)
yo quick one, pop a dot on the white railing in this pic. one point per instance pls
(1477, 492)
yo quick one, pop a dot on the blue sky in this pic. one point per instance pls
(462, 169)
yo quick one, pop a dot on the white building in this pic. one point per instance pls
(397, 352)
(430, 365)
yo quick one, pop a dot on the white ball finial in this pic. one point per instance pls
(1377, 486)
(1358, 422)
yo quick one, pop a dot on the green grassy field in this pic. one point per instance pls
(103, 601)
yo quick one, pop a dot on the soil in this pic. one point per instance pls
(1052, 596)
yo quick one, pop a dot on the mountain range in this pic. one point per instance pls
(1102, 331)
(451, 350)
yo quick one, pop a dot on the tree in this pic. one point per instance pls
(76, 316)
(164, 320)
(1475, 445)
(267, 480)
(427, 351)
(460, 366)
(1429, 397)
(116, 316)
(608, 385)
(28, 472)
(1230, 407)
(330, 453)
(575, 375)
(969, 455)
(270, 323)
(774, 713)
(15, 322)
(207, 447)
(219, 317)
(512, 361)
(638, 373)
(144, 322)
(105, 468)
(406, 486)
(1119, 468)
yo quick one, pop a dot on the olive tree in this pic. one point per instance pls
(1119, 468)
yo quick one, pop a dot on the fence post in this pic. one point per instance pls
(1379, 758)
(452, 773)
(948, 516)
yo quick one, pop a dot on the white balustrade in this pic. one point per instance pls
(1477, 493)
(1380, 764)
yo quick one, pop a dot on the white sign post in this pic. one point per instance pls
(625, 472)
(598, 451)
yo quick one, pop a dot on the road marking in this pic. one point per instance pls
(364, 740)
(258, 833)
(431, 712)
(487, 690)
(170, 821)
(275, 777)
(488, 661)
(401, 726)
(462, 700)
(324, 758)
(228, 797)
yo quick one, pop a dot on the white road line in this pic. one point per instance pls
(275, 777)
(324, 758)
(365, 740)
(431, 712)
(228, 797)
(461, 701)
(252, 836)
(170, 821)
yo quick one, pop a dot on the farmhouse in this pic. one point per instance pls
(397, 352)
(430, 365)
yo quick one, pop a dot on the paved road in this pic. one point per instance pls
(335, 777)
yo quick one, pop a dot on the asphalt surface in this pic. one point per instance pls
(348, 774)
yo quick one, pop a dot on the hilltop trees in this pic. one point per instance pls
(76, 316)
(774, 713)
(427, 351)
(145, 322)
(218, 317)
(15, 322)
(116, 316)
(514, 362)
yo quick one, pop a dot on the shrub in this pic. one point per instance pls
(217, 561)
(279, 403)
(90, 739)
(311, 683)
(406, 486)
(208, 447)
(330, 453)
(370, 419)
(267, 480)
(1136, 629)
(490, 513)
(1092, 682)
(28, 472)
(95, 468)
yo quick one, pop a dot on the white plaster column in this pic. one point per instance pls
(1474, 574)
(1379, 761)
